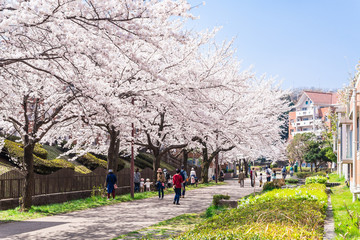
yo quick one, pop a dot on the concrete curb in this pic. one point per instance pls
(329, 224)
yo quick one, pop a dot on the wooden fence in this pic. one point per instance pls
(66, 180)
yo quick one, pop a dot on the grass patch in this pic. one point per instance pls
(80, 204)
(335, 178)
(279, 214)
(346, 227)
(174, 226)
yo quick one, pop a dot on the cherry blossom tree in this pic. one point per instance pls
(56, 52)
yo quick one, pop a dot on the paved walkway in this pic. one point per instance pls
(111, 221)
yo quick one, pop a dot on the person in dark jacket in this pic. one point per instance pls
(110, 184)
(184, 177)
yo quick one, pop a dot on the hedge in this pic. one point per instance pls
(120, 161)
(40, 151)
(316, 179)
(92, 162)
(309, 174)
(292, 180)
(15, 152)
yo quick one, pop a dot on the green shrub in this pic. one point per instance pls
(91, 162)
(218, 197)
(144, 160)
(42, 166)
(81, 169)
(316, 179)
(269, 186)
(291, 180)
(40, 151)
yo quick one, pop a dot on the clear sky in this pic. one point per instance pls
(305, 43)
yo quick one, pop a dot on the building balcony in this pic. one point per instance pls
(304, 113)
(304, 123)
(316, 132)
(293, 133)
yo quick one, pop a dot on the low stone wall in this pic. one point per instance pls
(55, 198)
(228, 203)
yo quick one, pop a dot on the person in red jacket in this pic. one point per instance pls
(177, 180)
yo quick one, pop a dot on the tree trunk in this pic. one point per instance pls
(29, 178)
(113, 150)
(311, 167)
(185, 158)
(246, 167)
(156, 165)
(205, 166)
(300, 163)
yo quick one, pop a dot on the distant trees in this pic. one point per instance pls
(307, 147)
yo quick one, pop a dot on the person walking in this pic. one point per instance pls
(137, 180)
(274, 175)
(184, 177)
(111, 184)
(177, 181)
(260, 180)
(291, 171)
(167, 178)
(160, 182)
(241, 178)
(268, 174)
(253, 175)
(193, 177)
(283, 171)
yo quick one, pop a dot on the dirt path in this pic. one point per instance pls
(111, 221)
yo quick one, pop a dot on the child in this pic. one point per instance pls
(142, 185)
(148, 184)
(260, 180)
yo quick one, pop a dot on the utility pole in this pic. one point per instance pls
(132, 158)
(216, 167)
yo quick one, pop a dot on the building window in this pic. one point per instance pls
(304, 109)
(292, 130)
(307, 102)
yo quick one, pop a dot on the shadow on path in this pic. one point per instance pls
(111, 221)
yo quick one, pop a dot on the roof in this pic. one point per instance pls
(322, 98)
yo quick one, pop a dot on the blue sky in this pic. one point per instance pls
(307, 43)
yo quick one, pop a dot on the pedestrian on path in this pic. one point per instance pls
(260, 180)
(177, 181)
(184, 177)
(291, 171)
(283, 171)
(274, 175)
(142, 185)
(253, 175)
(110, 184)
(241, 178)
(137, 179)
(148, 184)
(268, 174)
(193, 177)
(160, 182)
